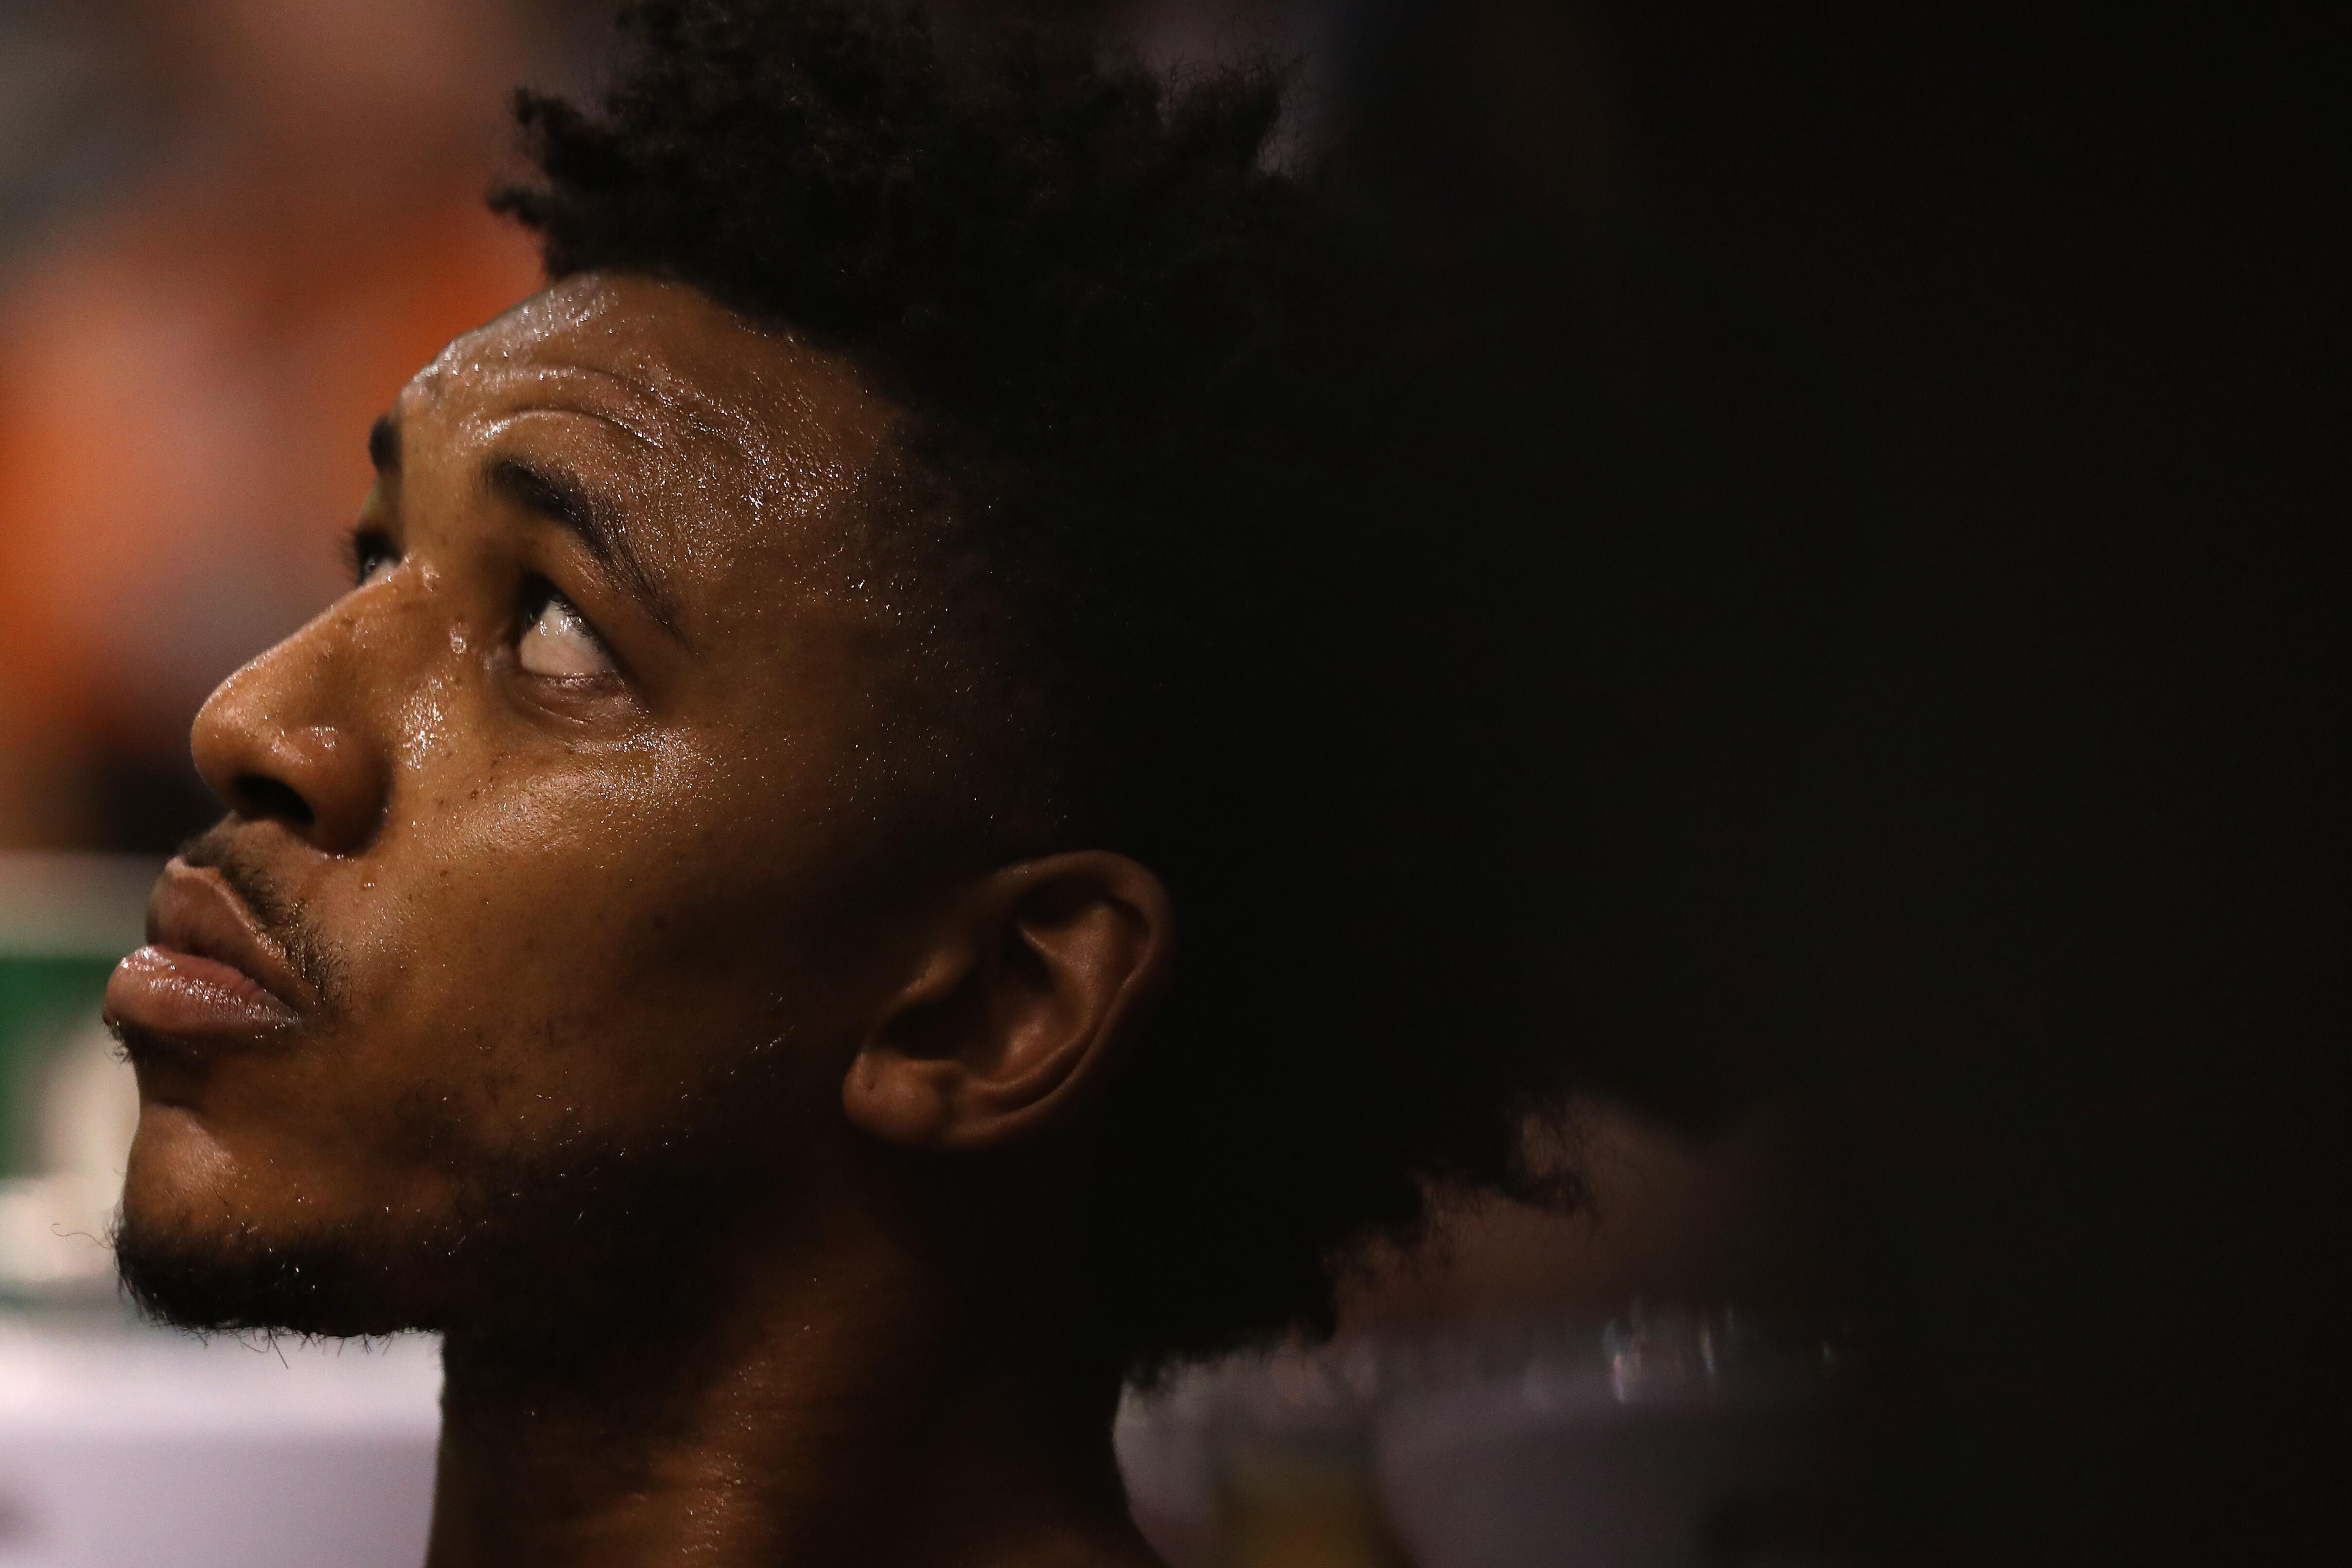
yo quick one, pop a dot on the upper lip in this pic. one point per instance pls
(195, 910)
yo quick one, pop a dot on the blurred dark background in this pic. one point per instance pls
(2038, 300)
(1955, 385)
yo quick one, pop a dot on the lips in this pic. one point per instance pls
(208, 971)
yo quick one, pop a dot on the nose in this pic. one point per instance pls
(280, 741)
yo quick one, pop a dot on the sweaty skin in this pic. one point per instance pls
(539, 868)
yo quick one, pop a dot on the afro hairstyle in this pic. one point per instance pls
(1194, 437)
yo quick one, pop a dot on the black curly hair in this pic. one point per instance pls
(1194, 444)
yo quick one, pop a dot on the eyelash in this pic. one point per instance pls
(538, 593)
(363, 547)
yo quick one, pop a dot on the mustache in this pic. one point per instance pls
(279, 915)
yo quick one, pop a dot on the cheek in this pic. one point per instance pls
(575, 951)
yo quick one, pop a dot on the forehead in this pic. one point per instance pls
(706, 428)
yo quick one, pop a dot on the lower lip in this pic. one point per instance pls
(167, 992)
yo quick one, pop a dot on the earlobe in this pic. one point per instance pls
(1025, 990)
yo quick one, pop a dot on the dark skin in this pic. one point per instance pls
(552, 829)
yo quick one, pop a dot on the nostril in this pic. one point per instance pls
(261, 798)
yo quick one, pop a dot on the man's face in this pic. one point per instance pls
(538, 827)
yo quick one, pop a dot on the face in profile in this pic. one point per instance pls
(534, 896)
(697, 898)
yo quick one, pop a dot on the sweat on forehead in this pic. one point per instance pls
(711, 403)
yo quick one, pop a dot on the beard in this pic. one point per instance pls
(552, 1262)
(572, 1243)
(335, 1282)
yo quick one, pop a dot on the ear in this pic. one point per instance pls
(1019, 993)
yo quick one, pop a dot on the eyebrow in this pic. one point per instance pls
(384, 445)
(562, 499)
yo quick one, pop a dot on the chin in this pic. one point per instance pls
(191, 1254)
(233, 1281)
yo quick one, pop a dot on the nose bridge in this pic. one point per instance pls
(301, 735)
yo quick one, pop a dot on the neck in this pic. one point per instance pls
(833, 1411)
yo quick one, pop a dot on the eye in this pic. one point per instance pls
(558, 641)
(370, 555)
